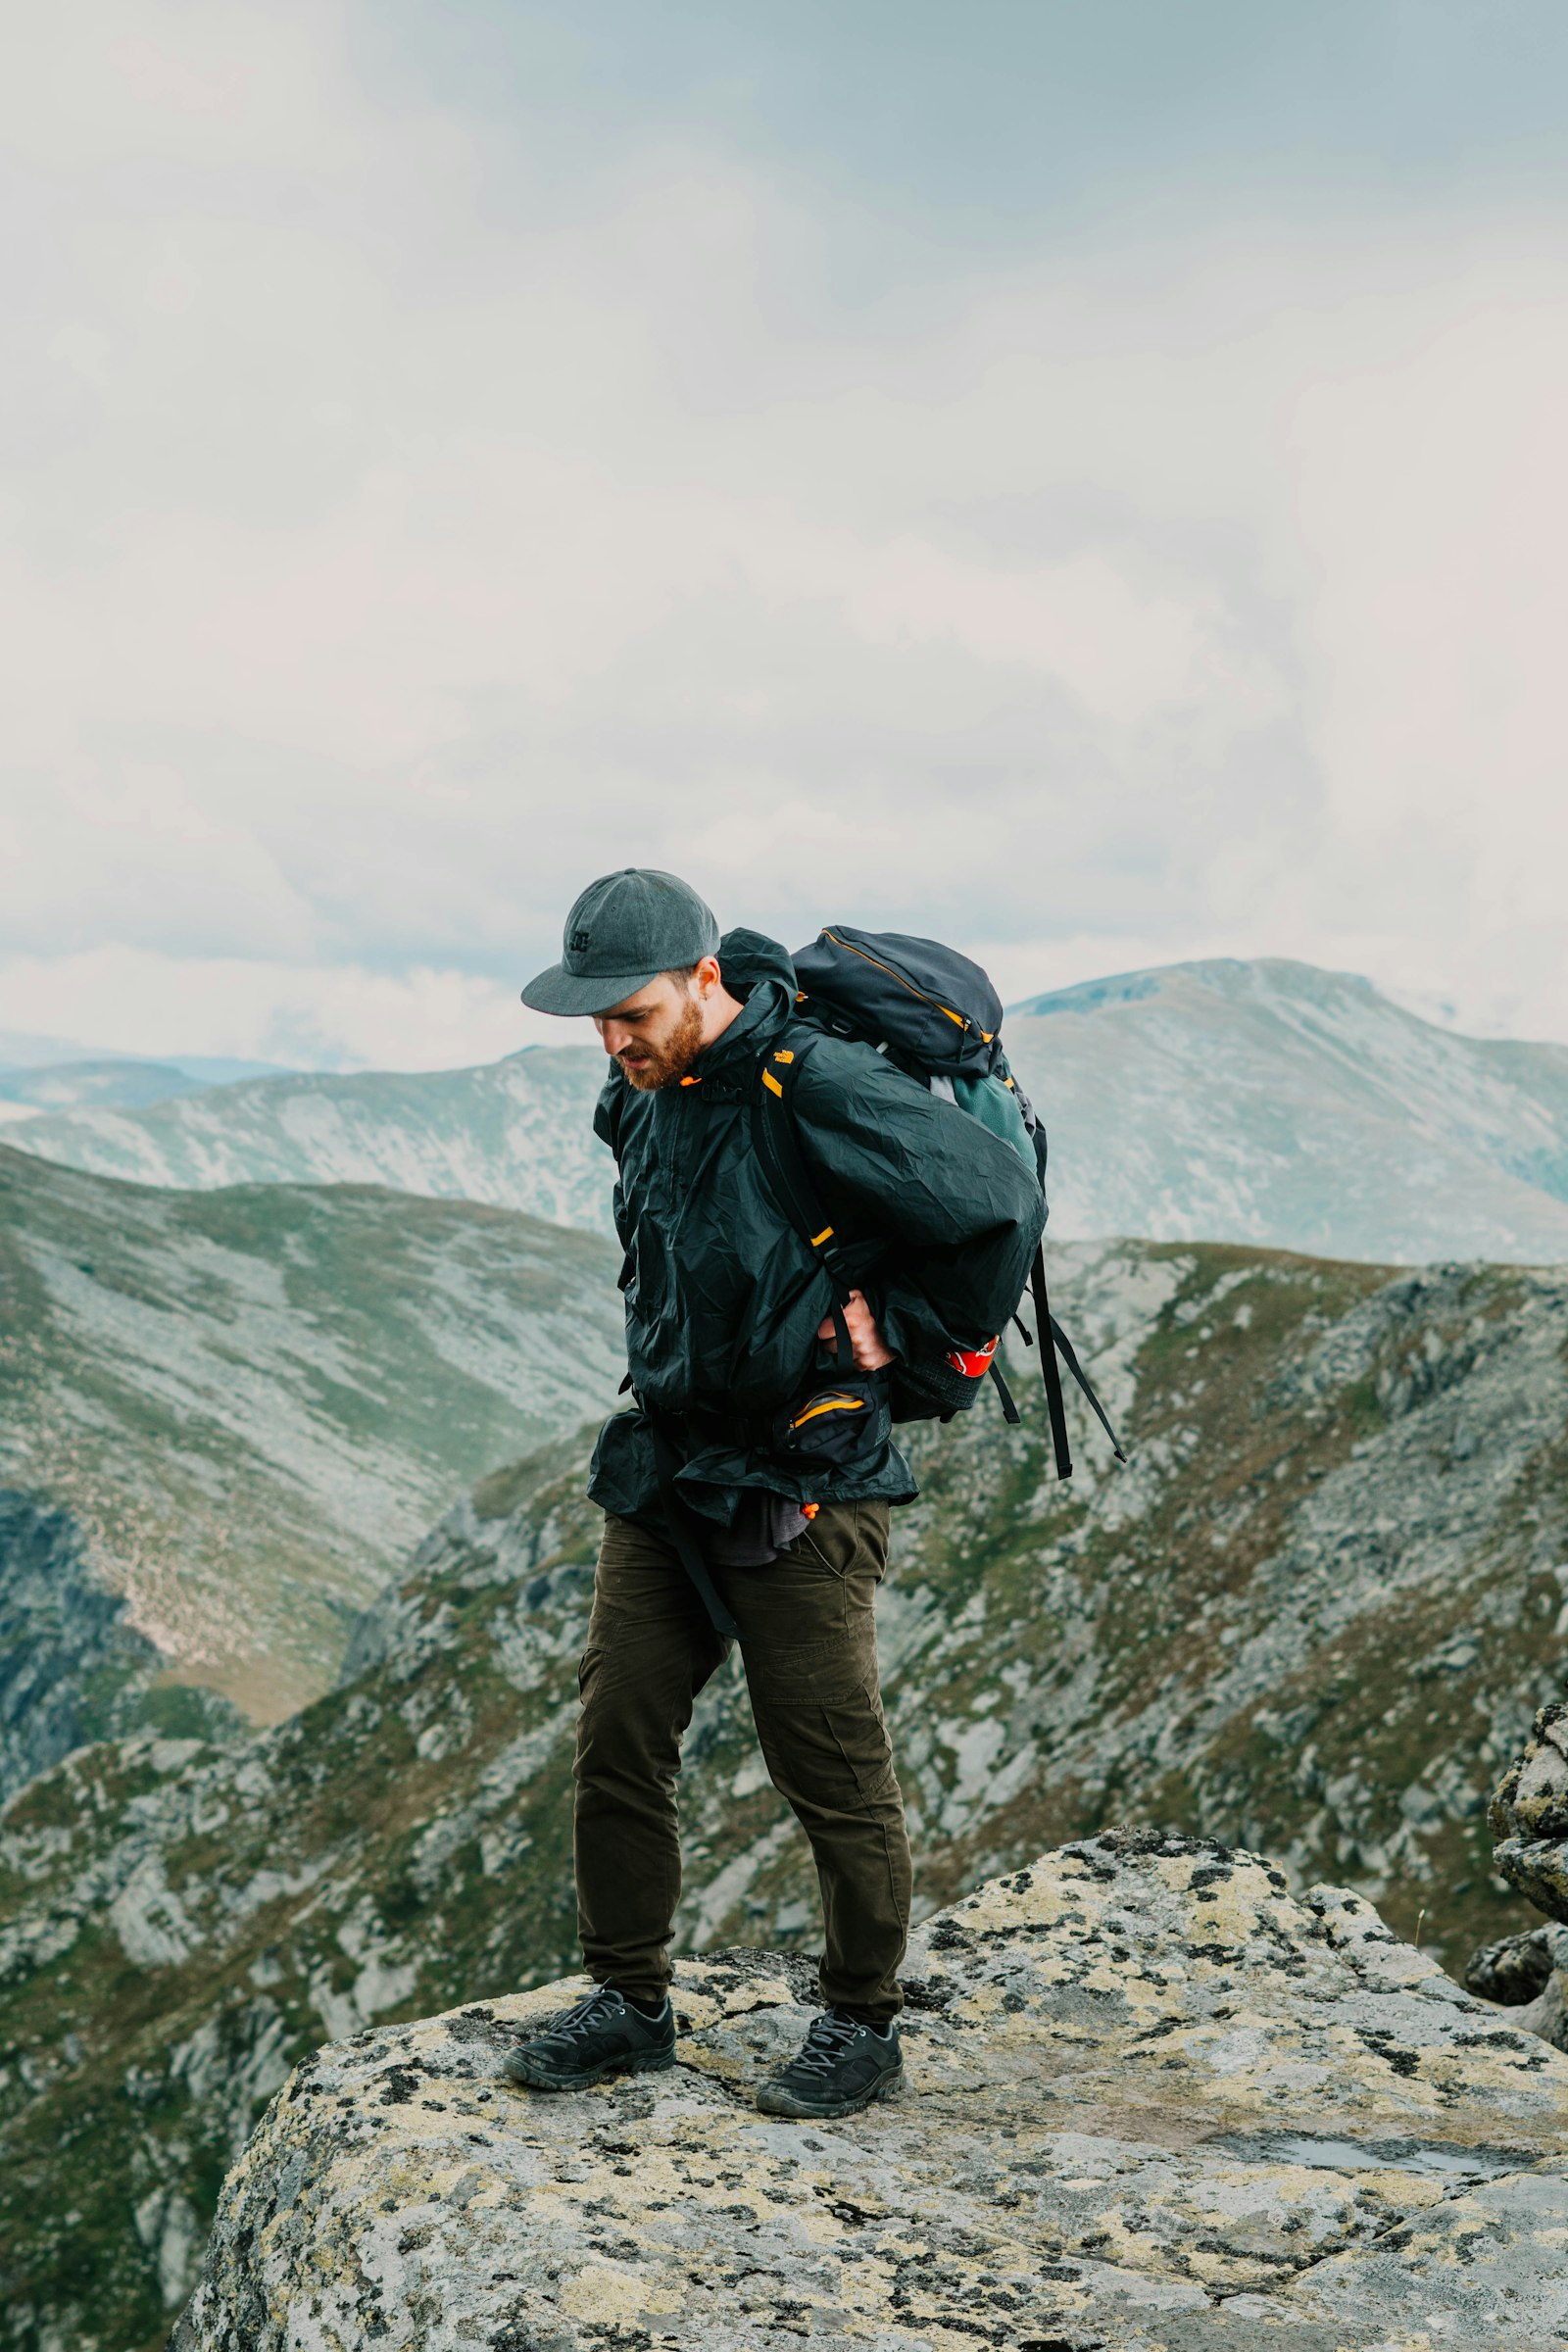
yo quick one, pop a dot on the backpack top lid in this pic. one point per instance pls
(930, 1006)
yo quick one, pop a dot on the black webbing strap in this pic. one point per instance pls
(1010, 1412)
(683, 1535)
(1063, 1347)
(1054, 1409)
(1055, 1343)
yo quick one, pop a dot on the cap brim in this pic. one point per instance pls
(569, 993)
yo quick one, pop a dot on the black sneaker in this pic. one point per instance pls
(840, 2067)
(600, 2035)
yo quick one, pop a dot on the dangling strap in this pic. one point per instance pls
(1010, 1412)
(1054, 1343)
(1063, 1347)
(683, 1535)
(1046, 1327)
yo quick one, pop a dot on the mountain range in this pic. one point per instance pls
(67, 1086)
(22, 1050)
(250, 1401)
(1314, 1616)
(1263, 1101)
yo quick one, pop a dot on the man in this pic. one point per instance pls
(743, 1495)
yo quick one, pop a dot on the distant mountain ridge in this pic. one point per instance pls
(1266, 1102)
(516, 1134)
(1270, 1101)
(22, 1050)
(67, 1086)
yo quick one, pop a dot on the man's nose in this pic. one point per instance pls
(611, 1035)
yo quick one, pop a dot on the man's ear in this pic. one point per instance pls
(707, 976)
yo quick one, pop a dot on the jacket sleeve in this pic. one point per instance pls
(606, 1109)
(606, 1126)
(961, 1211)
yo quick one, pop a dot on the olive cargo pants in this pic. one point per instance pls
(808, 1644)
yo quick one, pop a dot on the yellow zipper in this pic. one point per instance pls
(850, 948)
(830, 1404)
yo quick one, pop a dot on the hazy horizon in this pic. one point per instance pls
(21, 1052)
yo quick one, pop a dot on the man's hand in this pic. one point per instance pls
(869, 1348)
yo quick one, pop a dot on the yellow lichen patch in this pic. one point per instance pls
(1040, 1903)
(763, 1992)
(719, 2065)
(1215, 2269)
(1410, 2191)
(609, 2293)
(700, 2008)
(544, 2001)
(985, 2001)
(1236, 1906)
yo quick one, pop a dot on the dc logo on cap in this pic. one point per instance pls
(580, 940)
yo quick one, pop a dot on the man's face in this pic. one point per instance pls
(655, 1035)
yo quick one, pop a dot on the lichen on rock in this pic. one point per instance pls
(1529, 1818)
(1155, 2103)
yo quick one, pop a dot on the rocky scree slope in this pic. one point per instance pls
(1315, 1617)
(1154, 2104)
(252, 1400)
(1264, 1102)
(72, 1670)
(1529, 1818)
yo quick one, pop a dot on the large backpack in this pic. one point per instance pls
(935, 1015)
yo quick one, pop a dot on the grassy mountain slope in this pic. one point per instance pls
(252, 1399)
(1315, 1615)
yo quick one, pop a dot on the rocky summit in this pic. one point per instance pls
(1155, 2103)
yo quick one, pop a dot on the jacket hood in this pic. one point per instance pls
(759, 972)
(748, 958)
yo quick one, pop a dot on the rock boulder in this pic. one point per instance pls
(1155, 2104)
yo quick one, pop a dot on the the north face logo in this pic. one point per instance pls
(580, 940)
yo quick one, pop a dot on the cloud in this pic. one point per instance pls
(310, 1016)
(401, 529)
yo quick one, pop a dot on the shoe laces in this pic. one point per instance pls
(583, 2016)
(827, 2040)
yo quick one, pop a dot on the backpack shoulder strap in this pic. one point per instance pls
(777, 1145)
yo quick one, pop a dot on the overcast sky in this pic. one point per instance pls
(1086, 481)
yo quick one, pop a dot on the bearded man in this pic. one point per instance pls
(745, 1500)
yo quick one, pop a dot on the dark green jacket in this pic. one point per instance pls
(724, 1296)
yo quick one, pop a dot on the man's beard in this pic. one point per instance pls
(665, 1064)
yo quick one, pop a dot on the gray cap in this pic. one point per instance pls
(623, 931)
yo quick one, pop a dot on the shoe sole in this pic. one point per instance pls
(772, 2100)
(642, 2061)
